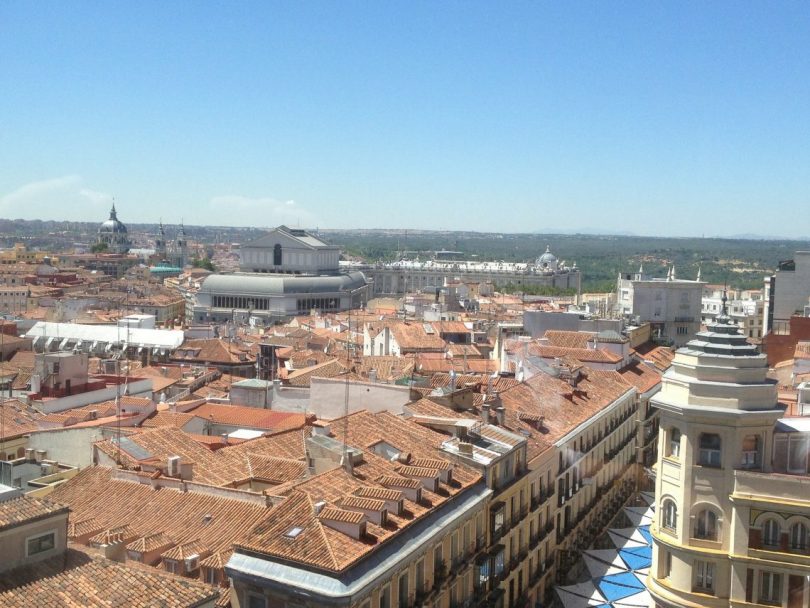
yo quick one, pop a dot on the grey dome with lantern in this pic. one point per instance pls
(113, 233)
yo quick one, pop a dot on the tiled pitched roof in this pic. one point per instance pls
(24, 509)
(295, 532)
(341, 515)
(150, 542)
(178, 419)
(248, 417)
(78, 580)
(149, 518)
(276, 470)
(193, 548)
(413, 337)
(660, 356)
(568, 339)
(18, 419)
(640, 375)
(328, 369)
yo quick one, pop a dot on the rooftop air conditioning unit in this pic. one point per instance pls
(173, 468)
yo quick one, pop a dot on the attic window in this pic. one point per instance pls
(294, 532)
(428, 328)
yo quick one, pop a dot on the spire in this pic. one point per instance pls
(113, 214)
(673, 272)
(698, 276)
(162, 232)
(669, 274)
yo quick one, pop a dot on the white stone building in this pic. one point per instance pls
(671, 306)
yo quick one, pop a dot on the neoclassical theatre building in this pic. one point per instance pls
(286, 272)
(732, 483)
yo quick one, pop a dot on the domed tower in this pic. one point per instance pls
(113, 234)
(547, 262)
(160, 243)
(718, 411)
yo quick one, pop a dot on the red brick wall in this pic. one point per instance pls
(781, 347)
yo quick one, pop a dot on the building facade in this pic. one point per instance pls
(412, 275)
(671, 306)
(285, 273)
(733, 508)
(787, 292)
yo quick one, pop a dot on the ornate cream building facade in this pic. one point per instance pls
(732, 485)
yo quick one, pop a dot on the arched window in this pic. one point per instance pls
(277, 255)
(675, 443)
(706, 525)
(669, 515)
(771, 533)
(709, 454)
(798, 537)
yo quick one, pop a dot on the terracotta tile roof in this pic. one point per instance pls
(178, 419)
(463, 350)
(450, 327)
(568, 339)
(368, 504)
(413, 337)
(214, 351)
(562, 406)
(193, 548)
(302, 377)
(379, 493)
(475, 366)
(276, 470)
(393, 481)
(640, 375)
(217, 560)
(305, 358)
(295, 533)
(78, 580)
(150, 518)
(388, 368)
(341, 515)
(18, 419)
(23, 359)
(248, 417)
(84, 527)
(585, 355)
(151, 542)
(24, 509)
(660, 356)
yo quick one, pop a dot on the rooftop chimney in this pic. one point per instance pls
(500, 412)
(485, 413)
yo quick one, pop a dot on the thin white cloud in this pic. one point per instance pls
(238, 210)
(59, 198)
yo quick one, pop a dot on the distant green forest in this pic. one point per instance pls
(740, 262)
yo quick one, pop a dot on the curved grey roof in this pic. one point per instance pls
(260, 284)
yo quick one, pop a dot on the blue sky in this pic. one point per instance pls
(662, 118)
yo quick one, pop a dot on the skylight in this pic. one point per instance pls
(294, 532)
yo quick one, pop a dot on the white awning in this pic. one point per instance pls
(63, 344)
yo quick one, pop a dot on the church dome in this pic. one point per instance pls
(547, 260)
(112, 225)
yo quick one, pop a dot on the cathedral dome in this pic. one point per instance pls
(112, 225)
